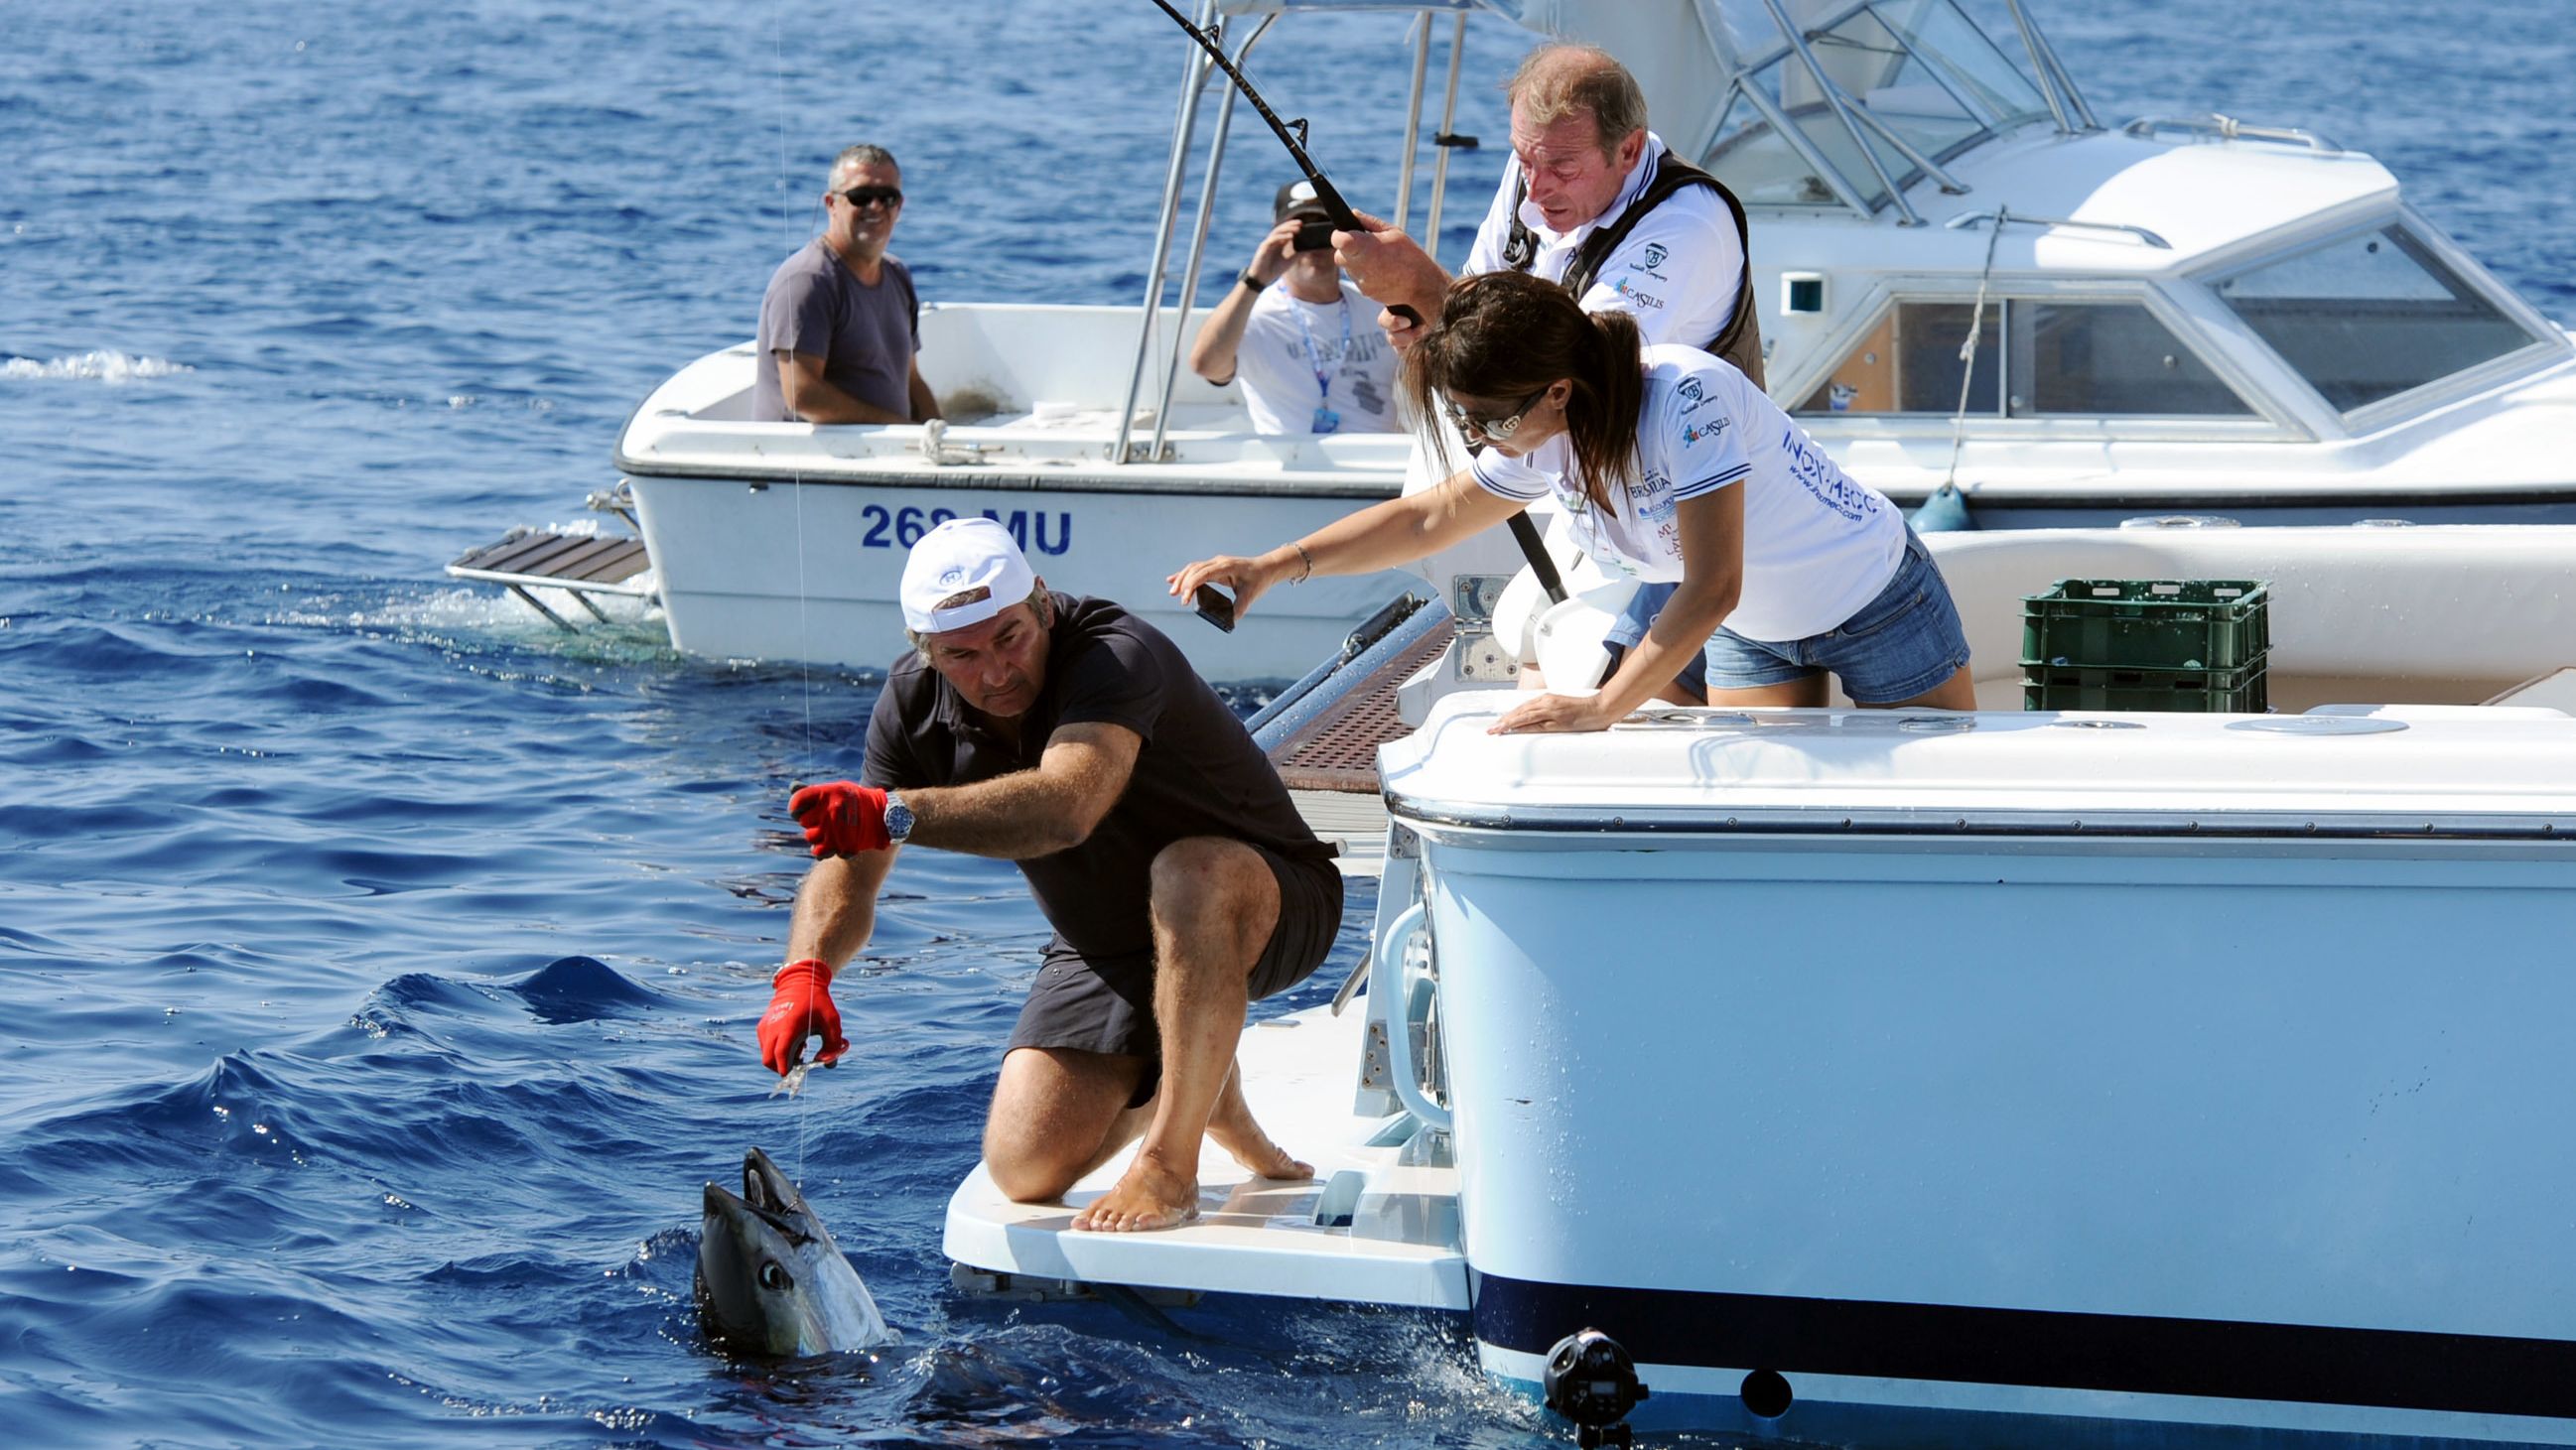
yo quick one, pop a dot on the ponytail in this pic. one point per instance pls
(1601, 417)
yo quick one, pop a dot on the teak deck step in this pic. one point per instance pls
(579, 564)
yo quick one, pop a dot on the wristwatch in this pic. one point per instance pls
(1250, 282)
(898, 819)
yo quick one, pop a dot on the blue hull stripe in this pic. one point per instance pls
(2391, 1368)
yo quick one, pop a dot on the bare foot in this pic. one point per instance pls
(1233, 1129)
(1149, 1195)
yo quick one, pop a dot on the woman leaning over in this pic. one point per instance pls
(1672, 468)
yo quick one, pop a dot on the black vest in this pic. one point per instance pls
(1740, 341)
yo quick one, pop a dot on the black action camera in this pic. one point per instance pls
(1312, 237)
(1213, 607)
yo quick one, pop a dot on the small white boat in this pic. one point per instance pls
(2175, 317)
(2024, 1076)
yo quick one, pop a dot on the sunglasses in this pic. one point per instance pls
(862, 197)
(1491, 430)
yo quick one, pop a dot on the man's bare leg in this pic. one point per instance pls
(1215, 904)
(1058, 1114)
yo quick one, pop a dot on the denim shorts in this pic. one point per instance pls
(1901, 644)
(1630, 632)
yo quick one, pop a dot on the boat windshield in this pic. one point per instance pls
(1880, 88)
(2369, 315)
(2036, 357)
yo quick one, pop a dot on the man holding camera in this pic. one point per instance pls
(1303, 340)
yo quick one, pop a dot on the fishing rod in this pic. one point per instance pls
(1524, 532)
(1344, 219)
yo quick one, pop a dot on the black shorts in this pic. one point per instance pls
(1107, 1006)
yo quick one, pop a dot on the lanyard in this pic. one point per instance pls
(1314, 360)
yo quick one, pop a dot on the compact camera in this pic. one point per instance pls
(1312, 237)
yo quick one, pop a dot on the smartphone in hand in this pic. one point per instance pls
(1213, 607)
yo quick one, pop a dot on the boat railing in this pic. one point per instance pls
(2228, 128)
(1969, 219)
(1200, 73)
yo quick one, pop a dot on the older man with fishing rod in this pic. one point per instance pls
(1596, 201)
(1070, 737)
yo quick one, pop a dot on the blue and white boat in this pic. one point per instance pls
(2184, 316)
(2045, 1077)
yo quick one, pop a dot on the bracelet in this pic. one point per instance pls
(1307, 559)
(1251, 283)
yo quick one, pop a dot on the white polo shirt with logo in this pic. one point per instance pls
(1676, 273)
(1818, 544)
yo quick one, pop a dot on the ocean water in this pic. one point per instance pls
(378, 967)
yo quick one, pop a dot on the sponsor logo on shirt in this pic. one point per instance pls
(1693, 432)
(1640, 298)
(1655, 255)
(1826, 483)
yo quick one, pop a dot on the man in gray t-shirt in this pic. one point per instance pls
(840, 333)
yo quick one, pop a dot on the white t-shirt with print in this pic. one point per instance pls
(1818, 544)
(1676, 273)
(1286, 340)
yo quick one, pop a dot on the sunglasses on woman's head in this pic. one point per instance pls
(1491, 430)
(863, 197)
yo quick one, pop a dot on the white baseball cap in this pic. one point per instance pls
(955, 558)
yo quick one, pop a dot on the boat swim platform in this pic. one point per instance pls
(580, 565)
(1388, 1232)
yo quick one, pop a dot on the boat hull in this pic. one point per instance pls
(787, 570)
(2198, 1136)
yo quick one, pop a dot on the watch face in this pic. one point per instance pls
(898, 819)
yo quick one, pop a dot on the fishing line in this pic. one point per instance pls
(793, 1081)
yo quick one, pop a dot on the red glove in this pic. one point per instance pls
(842, 818)
(801, 1007)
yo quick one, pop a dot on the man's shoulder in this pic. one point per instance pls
(807, 267)
(1690, 215)
(1086, 620)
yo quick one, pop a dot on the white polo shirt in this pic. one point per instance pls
(1818, 544)
(1297, 356)
(1676, 273)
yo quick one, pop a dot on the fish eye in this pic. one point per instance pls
(773, 1277)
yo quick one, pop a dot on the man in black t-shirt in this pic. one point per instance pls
(1068, 736)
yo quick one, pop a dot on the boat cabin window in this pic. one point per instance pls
(1917, 68)
(2066, 358)
(2369, 316)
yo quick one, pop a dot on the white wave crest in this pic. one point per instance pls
(105, 365)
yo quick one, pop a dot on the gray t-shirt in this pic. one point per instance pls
(865, 335)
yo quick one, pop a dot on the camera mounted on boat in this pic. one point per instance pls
(1591, 1380)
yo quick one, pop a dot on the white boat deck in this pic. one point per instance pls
(1256, 1236)
(1351, 820)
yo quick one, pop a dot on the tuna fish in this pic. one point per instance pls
(771, 1281)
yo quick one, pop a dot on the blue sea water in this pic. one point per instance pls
(378, 966)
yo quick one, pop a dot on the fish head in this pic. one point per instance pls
(770, 1279)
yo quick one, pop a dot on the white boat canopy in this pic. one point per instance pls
(1803, 102)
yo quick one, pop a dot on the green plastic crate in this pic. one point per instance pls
(2085, 687)
(2147, 624)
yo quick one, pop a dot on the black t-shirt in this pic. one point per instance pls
(1197, 774)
